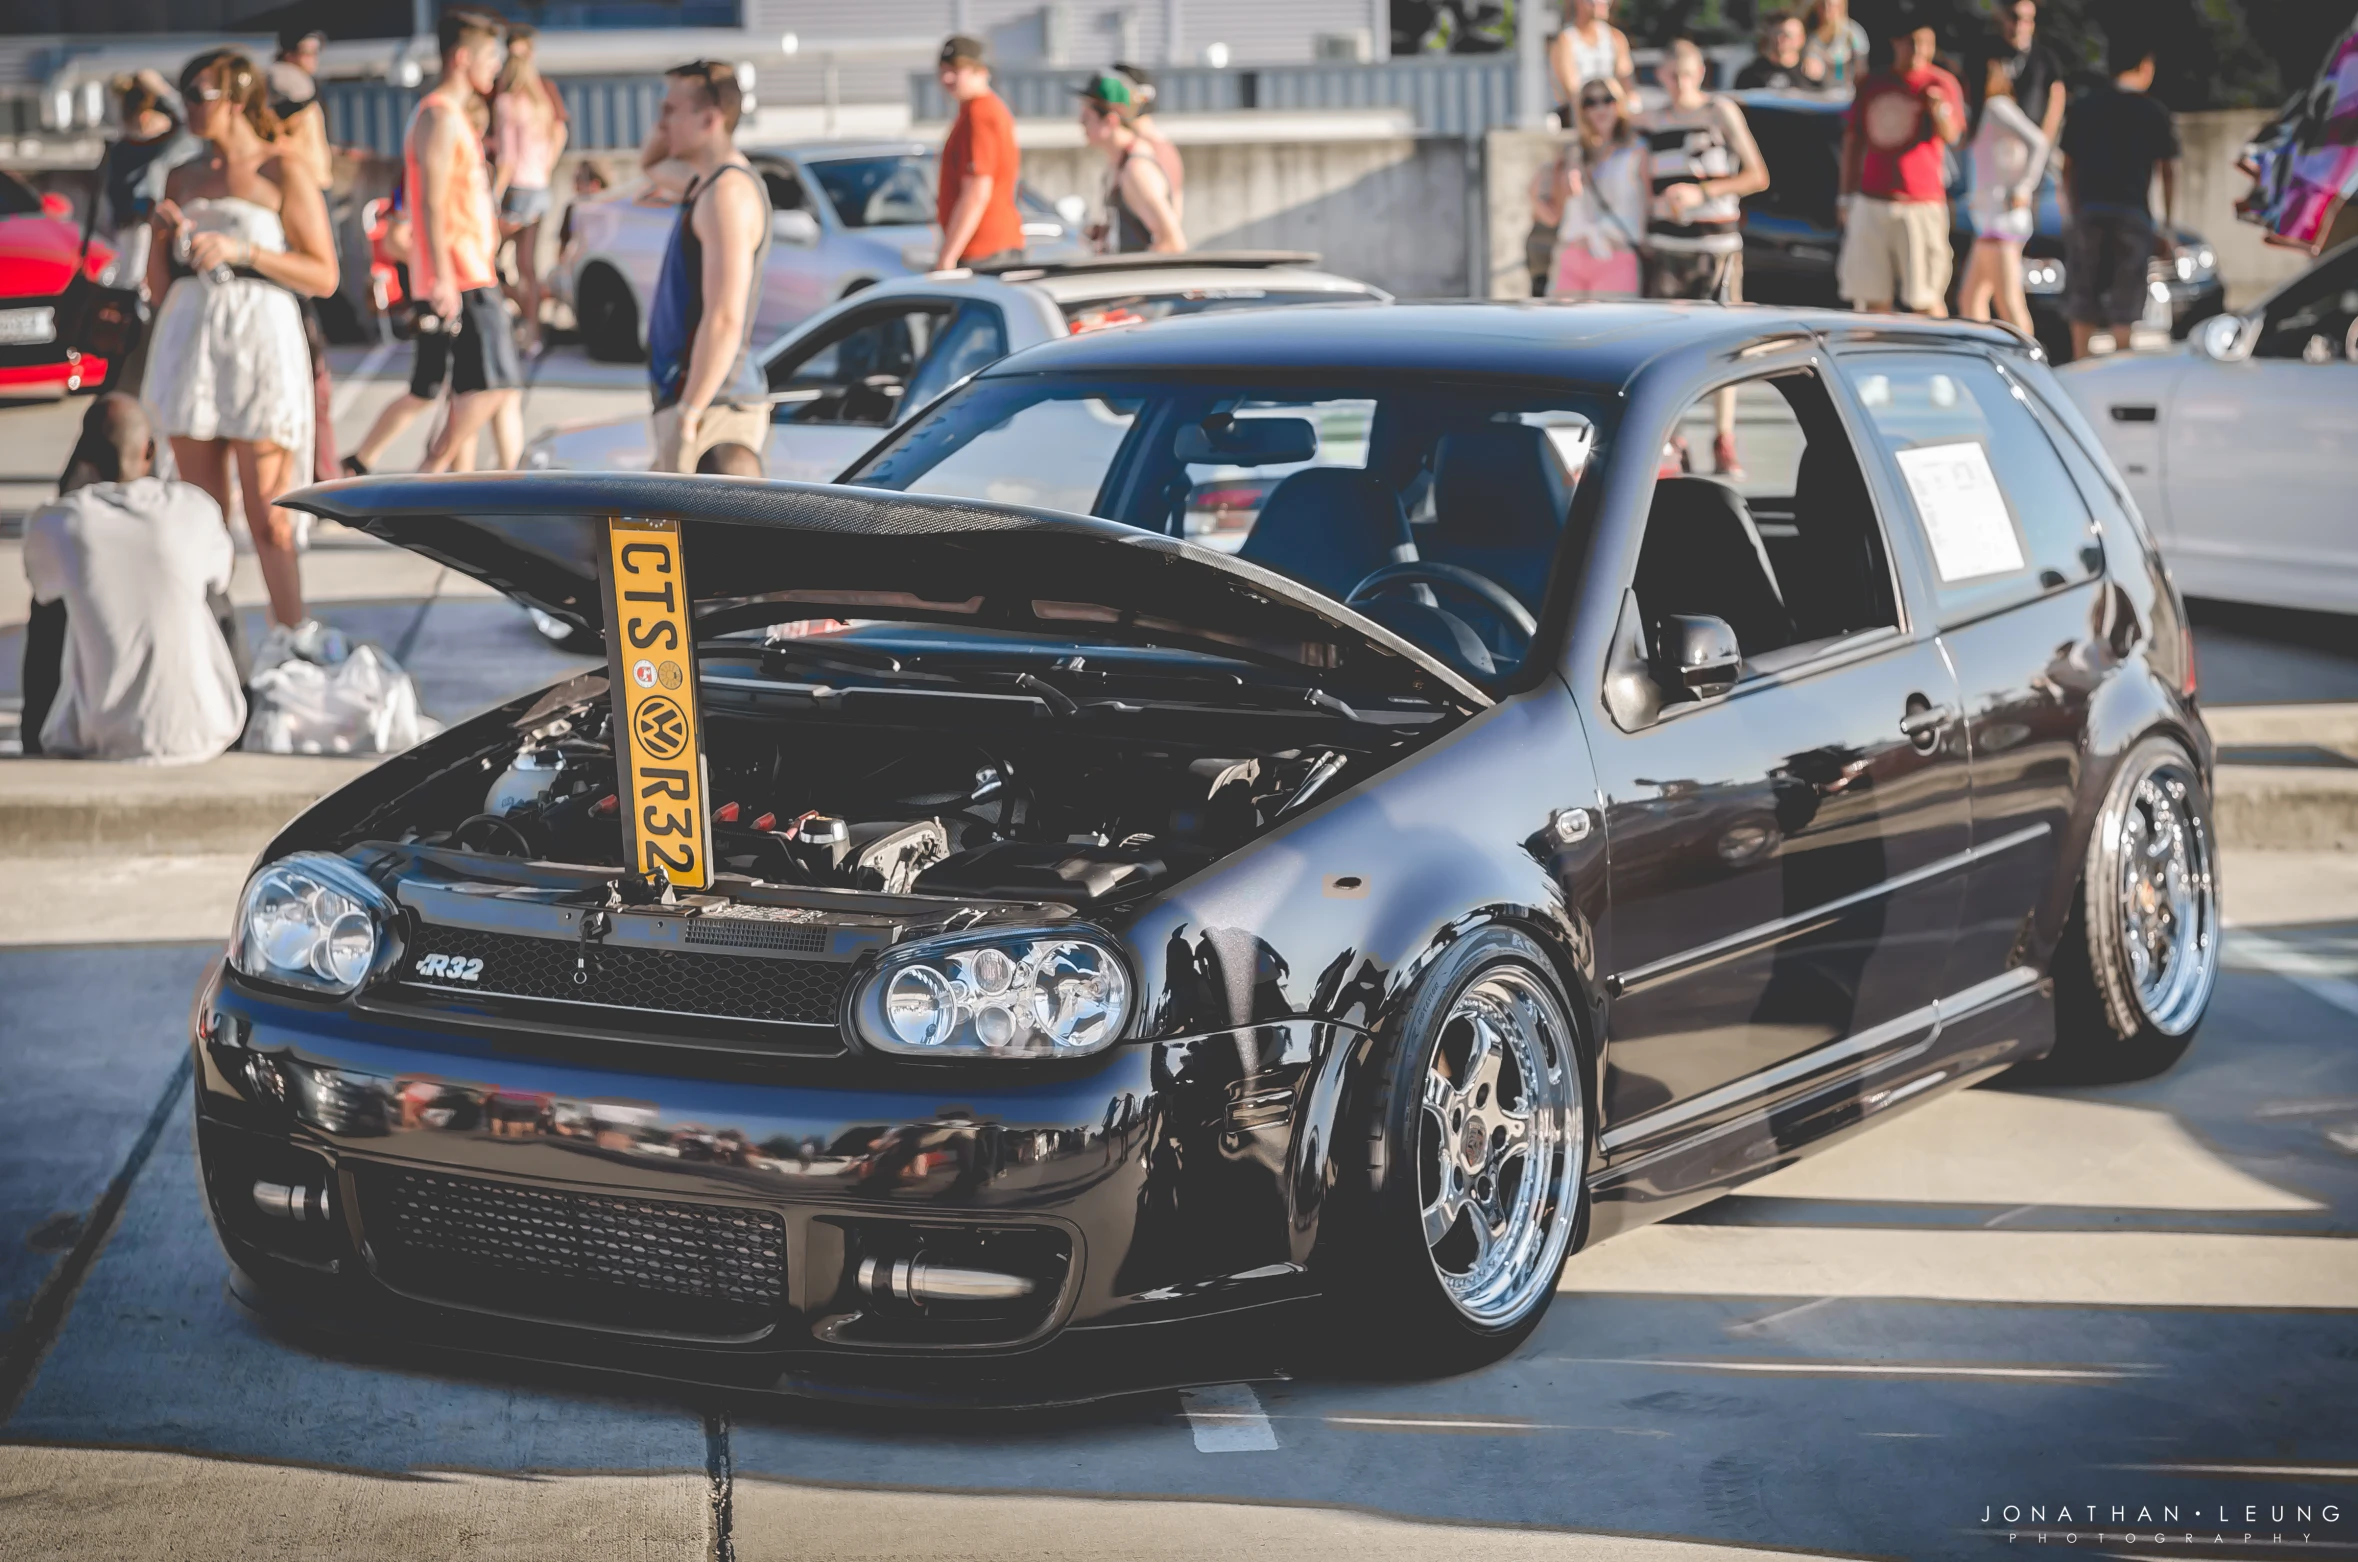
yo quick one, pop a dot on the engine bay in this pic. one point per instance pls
(1049, 811)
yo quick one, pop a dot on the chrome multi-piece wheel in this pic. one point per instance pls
(1499, 1147)
(2168, 905)
(2136, 972)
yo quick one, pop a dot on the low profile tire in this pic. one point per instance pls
(2134, 974)
(1482, 1128)
(609, 317)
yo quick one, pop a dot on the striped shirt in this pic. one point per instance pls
(1687, 146)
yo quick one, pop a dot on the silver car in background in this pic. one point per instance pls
(841, 379)
(847, 216)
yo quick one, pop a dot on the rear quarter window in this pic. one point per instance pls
(2001, 517)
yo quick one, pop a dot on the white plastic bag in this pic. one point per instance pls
(363, 704)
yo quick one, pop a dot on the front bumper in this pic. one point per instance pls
(1165, 1197)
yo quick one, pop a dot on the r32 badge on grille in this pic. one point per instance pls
(451, 968)
(650, 640)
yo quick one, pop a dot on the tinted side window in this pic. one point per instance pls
(974, 341)
(2004, 520)
(2316, 318)
(858, 370)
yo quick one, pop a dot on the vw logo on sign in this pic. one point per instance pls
(661, 727)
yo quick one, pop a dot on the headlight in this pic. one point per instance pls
(996, 995)
(2197, 264)
(2042, 275)
(313, 921)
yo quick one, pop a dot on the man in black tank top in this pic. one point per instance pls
(700, 324)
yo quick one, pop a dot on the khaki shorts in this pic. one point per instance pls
(723, 423)
(1896, 252)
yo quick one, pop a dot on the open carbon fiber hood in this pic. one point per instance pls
(756, 549)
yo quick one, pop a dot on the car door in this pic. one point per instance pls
(1785, 857)
(834, 394)
(2277, 424)
(793, 287)
(2018, 590)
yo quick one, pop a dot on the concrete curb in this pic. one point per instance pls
(65, 807)
(2287, 808)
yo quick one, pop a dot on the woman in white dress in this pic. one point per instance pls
(2009, 156)
(238, 235)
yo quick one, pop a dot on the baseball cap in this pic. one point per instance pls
(1141, 81)
(959, 47)
(1108, 89)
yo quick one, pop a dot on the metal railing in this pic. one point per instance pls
(608, 113)
(1447, 95)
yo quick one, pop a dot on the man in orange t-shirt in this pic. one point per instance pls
(976, 206)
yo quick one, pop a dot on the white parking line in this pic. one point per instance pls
(1894, 1369)
(2296, 965)
(1414, 1423)
(2307, 1472)
(348, 391)
(1227, 1419)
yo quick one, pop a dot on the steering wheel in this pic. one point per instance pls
(1431, 572)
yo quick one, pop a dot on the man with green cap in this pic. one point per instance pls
(980, 165)
(1141, 209)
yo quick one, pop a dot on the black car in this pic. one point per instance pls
(1113, 941)
(1791, 239)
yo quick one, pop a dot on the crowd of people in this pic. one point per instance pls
(1648, 203)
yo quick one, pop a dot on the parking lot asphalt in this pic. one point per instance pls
(2137, 1297)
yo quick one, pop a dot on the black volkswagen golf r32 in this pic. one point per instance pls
(1260, 813)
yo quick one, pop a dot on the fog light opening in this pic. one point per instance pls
(299, 1202)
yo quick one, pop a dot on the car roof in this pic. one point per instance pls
(828, 151)
(1082, 286)
(1590, 343)
(1791, 102)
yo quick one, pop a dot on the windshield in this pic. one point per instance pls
(878, 192)
(1437, 509)
(17, 198)
(896, 189)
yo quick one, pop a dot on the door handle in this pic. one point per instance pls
(1922, 725)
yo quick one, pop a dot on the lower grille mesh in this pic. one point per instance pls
(645, 1264)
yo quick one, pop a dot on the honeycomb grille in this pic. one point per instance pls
(751, 933)
(642, 1264)
(555, 970)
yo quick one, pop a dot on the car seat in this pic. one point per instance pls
(1499, 503)
(1329, 527)
(1703, 555)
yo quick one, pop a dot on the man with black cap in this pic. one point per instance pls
(976, 204)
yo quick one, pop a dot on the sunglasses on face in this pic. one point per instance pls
(1599, 102)
(208, 95)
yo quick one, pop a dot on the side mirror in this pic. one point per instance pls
(799, 229)
(2227, 338)
(1073, 209)
(1697, 653)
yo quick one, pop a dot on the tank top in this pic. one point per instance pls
(678, 308)
(1592, 61)
(1685, 146)
(468, 227)
(1126, 232)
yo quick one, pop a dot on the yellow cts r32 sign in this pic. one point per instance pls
(651, 654)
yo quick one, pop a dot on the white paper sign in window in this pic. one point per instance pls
(1964, 513)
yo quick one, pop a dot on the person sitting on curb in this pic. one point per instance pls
(135, 561)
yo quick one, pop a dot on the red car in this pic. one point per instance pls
(38, 241)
